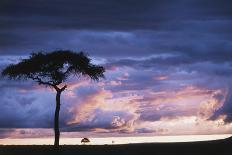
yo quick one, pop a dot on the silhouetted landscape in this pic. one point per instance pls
(221, 147)
(115, 77)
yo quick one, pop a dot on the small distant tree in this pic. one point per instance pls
(53, 69)
(85, 140)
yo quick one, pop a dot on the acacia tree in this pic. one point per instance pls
(53, 69)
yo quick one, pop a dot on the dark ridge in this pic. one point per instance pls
(222, 147)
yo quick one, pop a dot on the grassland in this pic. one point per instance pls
(220, 147)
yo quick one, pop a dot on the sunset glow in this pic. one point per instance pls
(114, 140)
(168, 69)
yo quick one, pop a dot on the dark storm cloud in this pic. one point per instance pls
(107, 14)
(183, 61)
(155, 115)
(18, 111)
(32, 25)
(226, 109)
(6, 133)
(23, 105)
(75, 14)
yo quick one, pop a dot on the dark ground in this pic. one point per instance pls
(219, 147)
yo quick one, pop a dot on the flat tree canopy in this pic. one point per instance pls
(54, 68)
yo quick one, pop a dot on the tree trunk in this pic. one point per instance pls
(56, 119)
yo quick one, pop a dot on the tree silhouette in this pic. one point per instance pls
(85, 140)
(53, 69)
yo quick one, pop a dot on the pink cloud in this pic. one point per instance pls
(160, 78)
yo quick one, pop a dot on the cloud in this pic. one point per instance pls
(189, 125)
(168, 66)
(92, 107)
(189, 101)
(23, 105)
(147, 28)
(225, 110)
(25, 133)
(62, 14)
(117, 122)
(6, 133)
(92, 100)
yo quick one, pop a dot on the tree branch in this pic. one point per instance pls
(63, 88)
(40, 81)
(68, 70)
(59, 89)
(56, 88)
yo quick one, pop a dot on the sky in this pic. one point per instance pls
(168, 67)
